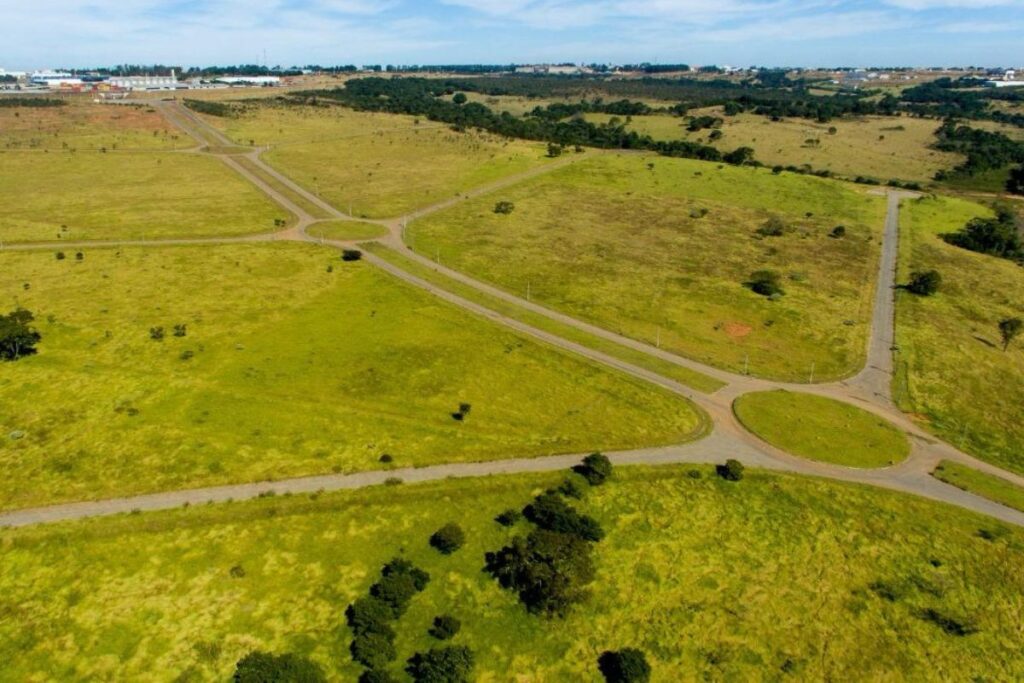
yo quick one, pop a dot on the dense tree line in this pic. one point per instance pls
(984, 149)
(211, 107)
(423, 97)
(30, 102)
(999, 236)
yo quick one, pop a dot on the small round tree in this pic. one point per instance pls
(924, 283)
(260, 667)
(448, 538)
(445, 627)
(732, 470)
(627, 665)
(1009, 329)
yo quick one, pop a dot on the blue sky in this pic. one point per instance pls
(44, 33)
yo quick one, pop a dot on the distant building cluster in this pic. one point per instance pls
(1008, 79)
(112, 86)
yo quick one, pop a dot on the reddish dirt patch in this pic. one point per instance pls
(737, 330)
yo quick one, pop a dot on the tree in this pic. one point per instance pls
(549, 511)
(452, 664)
(17, 336)
(766, 283)
(739, 156)
(549, 570)
(554, 150)
(838, 232)
(997, 236)
(504, 207)
(460, 98)
(368, 615)
(448, 539)
(773, 227)
(732, 470)
(1015, 183)
(351, 254)
(265, 667)
(509, 517)
(627, 665)
(445, 627)
(596, 468)
(373, 650)
(376, 676)
(924, 283)
(1009, 329)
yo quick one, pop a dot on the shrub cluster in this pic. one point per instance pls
(370, 617)
(999, 236)
(448, 539)
(551, 567)
(261, 667)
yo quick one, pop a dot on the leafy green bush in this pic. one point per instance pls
(924, 283)
(452, 664)
(549, 511)
(448, 538)
(596, 468)
(766, 283)
(627, 665)
(509, 517)
(17, 336)
(732, 470)
(445, 627)
(265, 667)
(373, 650)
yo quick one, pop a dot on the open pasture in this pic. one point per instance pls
(86, 126)
(377, 165)
(952, 372)
(289, 362)
(879, 147)
(865, 584)
(59, 195)
(659, 249)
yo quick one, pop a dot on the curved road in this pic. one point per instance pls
(868, 389)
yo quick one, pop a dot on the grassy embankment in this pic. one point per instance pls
(287, 368)
(620, 241)
(865, 584)
(986, 485)
(951, 370)
(822, 429)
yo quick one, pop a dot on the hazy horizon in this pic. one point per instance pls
(75, 34)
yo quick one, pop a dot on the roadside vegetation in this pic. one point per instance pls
(822, 429)
(662, 250)
(899, 586)
(986, 485)
(952, 371)
(65, 196)
(190, 366)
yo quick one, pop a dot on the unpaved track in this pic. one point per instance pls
(869, 389)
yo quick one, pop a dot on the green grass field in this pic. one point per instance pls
(771, 578)
(951, 370)
(822, 429)
(84, 126)
(346, 230)
(993, 488)
(152, 195)
(876, 146)
(614, 240)
(377, 165)
(686, 376)
(287, 369)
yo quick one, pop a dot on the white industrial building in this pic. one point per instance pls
(146, 82)
(55, 79)
(264, 81)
